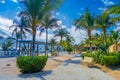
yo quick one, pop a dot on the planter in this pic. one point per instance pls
(88, 60)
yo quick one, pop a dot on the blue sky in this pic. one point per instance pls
(68, 11)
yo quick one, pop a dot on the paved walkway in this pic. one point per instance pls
(68, 70)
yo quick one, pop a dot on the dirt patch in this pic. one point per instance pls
(115, 74)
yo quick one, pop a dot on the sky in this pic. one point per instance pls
(68, 11)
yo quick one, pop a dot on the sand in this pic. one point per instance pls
(115, 74)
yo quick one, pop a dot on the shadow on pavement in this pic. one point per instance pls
(39, 75)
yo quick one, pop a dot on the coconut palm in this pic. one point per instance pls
(86, 22)
(62, 32)
(20, 29)
(104, 21)
(48, 23)
(34, 12)
(116, 37)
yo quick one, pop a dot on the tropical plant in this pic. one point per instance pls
(26, 65)
(104, 21)
(70, 40)
(86, 21)
(53, 43)
(116, 37)
(20, 29)
(6, 45)
(62, 32)
(114, 9)
(34, 12)
(48, 23)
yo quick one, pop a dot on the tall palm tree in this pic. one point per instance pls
(34, 12)
(18, 36)
(20, 29)
(62, 32)
(116, 37)
(48, 23)
(104, 21)
(86, 21)
(20, 26)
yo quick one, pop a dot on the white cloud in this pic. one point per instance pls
(102, 9)
(42, 37)
(78, 35)
(2, 1)
(59, 22)
(107, 2)
(15, 1)
(5, 21)
(4, 27)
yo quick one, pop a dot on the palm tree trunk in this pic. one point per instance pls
(89, 35)
(51, 50)
(33, 42)
(46, 43)
(22, 39)
(61, 39)
(16, 43)
(116, 46)
(104, 32)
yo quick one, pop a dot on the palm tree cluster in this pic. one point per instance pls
(103, 21)
(36, 14)
(66, 40)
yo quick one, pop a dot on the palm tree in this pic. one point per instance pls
(104, 21)
(62, 32)
(48, 23)
(20, 29)
(116, 37)
(86, 21)
(114, 9)
(52, 43)
(18, 36)
(34, 12)
(6, 45)
(70, 40)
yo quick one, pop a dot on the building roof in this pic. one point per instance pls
(30, 41)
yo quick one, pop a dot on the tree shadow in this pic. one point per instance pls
(39, 75)
(93, 66)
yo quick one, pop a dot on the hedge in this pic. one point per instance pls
(28, 65)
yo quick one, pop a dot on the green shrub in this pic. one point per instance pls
(69, 49)
(28, 65)
(87, 55)
(109, 60)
